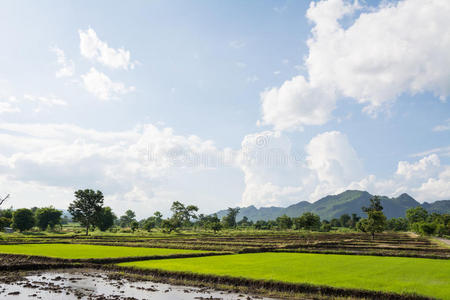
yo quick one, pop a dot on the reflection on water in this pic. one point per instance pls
(98, 285)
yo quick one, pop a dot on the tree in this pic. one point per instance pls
(5, 222)
(397, 224)
(23, 219)
(376, 220)
(308, 221)
(134, 225)
(354, 220)
(416, 215)
(149, 224)
(158, 218)
(86, 207)
(229, 220)
(183, 213)
(375, 205)
(213, 223)
(345, 220)
(127, 219)
(284, 222)
(3, 199)
(106, 219)
(244, 222)
(47, 217)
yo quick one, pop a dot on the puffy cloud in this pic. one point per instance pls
(94, 48)
(386, 51)
(67, 66)
(102, 87)
(275, 174)
(44, 101)
(137, 164)
(296, 103)
(424, 168)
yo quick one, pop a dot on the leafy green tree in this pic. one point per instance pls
(158, 218)
(169, 225)
(244, 222)
(376, 220)
(47, 217)
(86, 207)
(23, 219)
(345, 220)
(416, 215)
(149, 224)
(335, 223)
(134, 225)
(213, 223)
(375, 205)
(229, 220)
(5, 222)
(308, 221)
(127, 219)
(354, 220)
(284, 222)
(106, 219)
(397, 224)
(183, 213)
(7, 213)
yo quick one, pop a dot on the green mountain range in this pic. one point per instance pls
(333, 206)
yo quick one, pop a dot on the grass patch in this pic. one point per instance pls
(390, 274)
(77, 251)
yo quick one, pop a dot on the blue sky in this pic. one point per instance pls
(363, 104)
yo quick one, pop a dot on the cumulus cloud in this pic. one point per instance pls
(276, 174)
(67, 66)
(93, 48)
(102, 87)
(137, 164)
(386, 51)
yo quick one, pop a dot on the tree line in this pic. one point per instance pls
(89, 211)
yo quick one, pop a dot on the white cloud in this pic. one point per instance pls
(424, 168)
(67, 66)
(296, 103)
(102, 87)
(386, 51)
(442, 151)
(137, 164)
(443, 127)
(93, 48)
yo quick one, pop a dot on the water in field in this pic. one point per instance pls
(71, 284)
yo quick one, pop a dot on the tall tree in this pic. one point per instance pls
(127, 218)
(376, 220)
(230, 219)
(86, 207)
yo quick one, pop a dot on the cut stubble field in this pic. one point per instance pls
(429, 277)
(79, 251)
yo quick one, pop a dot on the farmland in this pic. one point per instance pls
(77, 251)
(276, 263)
(391, 274)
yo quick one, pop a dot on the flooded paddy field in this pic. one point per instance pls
(93, 284)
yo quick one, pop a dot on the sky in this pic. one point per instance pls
(223, 103)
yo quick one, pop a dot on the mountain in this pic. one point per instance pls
(333, 206)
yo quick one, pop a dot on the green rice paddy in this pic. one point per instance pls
(77, 251)
(430, 277)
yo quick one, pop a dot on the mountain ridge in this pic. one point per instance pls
(333, 206)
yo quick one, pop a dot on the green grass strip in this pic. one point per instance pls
(429, 277)
(77, 251)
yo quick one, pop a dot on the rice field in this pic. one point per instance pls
(79, 251)
(429, 277)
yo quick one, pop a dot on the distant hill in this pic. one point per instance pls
(333, 206)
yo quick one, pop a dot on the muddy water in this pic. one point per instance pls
(70, 284)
